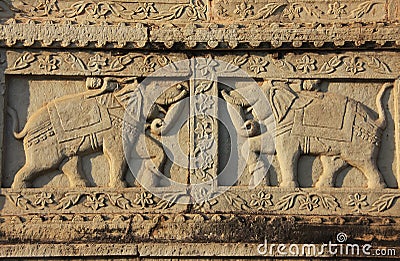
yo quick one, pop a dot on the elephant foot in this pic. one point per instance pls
(20, 185)
(289, 184)
(377, 185)
(80, 183)
(258, 174)
(323, 184)
(118, 184)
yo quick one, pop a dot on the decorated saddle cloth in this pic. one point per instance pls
(329, 117)
(76, 116)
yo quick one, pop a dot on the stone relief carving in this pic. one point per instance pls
(257, 64)
(338, 129)
(287, 46)
(200, 36)
(194, 10)
(56, 135)
(326, 11)
(94, 64)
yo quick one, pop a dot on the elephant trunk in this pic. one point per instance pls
(170, 100)
(235, 98)
(156, 126)
(250, 128)
(14, 117)
(381, 121)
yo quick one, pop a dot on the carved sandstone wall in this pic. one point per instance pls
(155, 129)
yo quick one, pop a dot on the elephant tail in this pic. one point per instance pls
(381, 121)
(14, 117)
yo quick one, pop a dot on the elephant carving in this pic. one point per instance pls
(338, 129)
(59, 133)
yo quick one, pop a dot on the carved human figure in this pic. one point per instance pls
(59, 133)
(338, 129)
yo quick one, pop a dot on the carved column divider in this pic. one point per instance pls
(203, 125)
(3, 66)
(397, 126)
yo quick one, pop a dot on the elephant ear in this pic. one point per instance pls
(282, 99)
(134, 108)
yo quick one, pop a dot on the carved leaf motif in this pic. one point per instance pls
(287, 202)
(76, 62)
(76, 9)
(331, 65)
(116, 9)
(168, 200)
(20, 201)
(379, 66)
(362, 9)
(177, 11)
(69, 200)
(204, 87)
(329, 202)
(284, 65)
(236, 201)
(119, 201)
(24, 61)
(267, 10)
(383, 203)
(238, 61)
(314, 11)
(120, 63)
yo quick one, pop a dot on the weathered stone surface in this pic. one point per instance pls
(158, 129)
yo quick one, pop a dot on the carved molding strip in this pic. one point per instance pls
(103, 35)
(300, 11)
(146, 250)
(352, 65)
(311, 65)
(79, 63)
(258, 200)
(200, 10)
(68, 35)
(192, 10)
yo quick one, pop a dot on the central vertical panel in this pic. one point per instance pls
(203, 123)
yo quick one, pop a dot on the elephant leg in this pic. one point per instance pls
(116, 158)
(23, 177)
(371, 172)
(258, 169)
(331, 165)
(288, 158)
(259, 147)
(26, 174)
(153, 166)
(118, 165)
(72, 169)
(37, 162)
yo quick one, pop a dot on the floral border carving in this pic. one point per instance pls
(198, 10)
(89, 64)
(264, 199)
(257, 64)
(193, 10)
(49, 201)
(328, 11)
